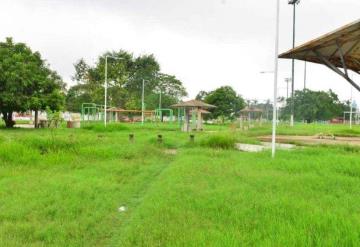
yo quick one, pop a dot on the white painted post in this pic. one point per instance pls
(273, 141)
(105, 100)
(142, 102)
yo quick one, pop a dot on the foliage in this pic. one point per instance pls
(70, 193)
(26, 81)
(125, 78)
(219, 141)
(314, 105)
(54, 118)
(228, 103)
(99, 127)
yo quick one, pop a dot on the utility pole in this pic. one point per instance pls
(287, 80)
(160, 99)
(105, 96)
(351, 106)
(305, 71)
(274, 120)
(294, 3)
(142, 102)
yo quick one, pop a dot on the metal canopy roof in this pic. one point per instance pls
(337, 49)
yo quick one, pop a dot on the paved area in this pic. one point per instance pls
(25, 126)
(314, 140)
(263, 146)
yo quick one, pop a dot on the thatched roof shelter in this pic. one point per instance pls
(202, 111)
(193, 103)
(193, 107)
(251, 109)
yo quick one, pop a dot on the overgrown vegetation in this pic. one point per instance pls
(219, 141)
(67, 192)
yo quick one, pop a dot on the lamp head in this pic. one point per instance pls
(294, 2)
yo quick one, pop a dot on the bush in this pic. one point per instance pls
(99, 127)
(219, 141)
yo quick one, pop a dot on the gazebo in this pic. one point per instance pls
(247, 112)
(193, 108)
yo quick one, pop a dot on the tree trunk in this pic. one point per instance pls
(36, 121)
(7, 116)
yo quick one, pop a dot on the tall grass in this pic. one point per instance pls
(220, 141)
(206, 194)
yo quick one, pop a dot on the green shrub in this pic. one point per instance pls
(219, 141)
(99, 127)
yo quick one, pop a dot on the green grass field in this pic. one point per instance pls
(64, 187)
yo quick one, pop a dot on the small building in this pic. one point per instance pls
(251, 113)
(195, 108)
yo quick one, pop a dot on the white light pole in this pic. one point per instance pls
(142, 102)
(287, 80)
(273, 139)
(105, 85)
(160, 99)
(293, 2)
(351, 107)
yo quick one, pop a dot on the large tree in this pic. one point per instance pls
(314, 105)
(125, 77)
(228, 103)
(26, 82)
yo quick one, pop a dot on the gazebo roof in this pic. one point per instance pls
(251, 109)
(193, 103)
(202, 111)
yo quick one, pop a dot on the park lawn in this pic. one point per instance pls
(64, 187)
(306, 129)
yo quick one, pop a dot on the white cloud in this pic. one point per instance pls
(205, 43)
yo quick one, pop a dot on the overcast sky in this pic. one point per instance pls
(205, 43)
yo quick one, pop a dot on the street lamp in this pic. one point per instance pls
(142, 102)
(106, 84)
(287, 80)
(276, 63)
(294, 3)
(267, 72)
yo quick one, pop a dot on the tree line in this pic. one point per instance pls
(28, 84)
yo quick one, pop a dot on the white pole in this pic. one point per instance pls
(273, 144)
(105, 90)
(142, 102)
(160, 100)
(351, 104)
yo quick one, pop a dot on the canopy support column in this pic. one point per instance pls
(335, 69)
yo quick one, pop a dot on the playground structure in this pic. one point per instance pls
(159, 114)
(191, 114)
(95, 112)
(354, 116)
(92, 112)
(122, 115)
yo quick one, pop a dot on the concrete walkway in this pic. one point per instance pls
(263, 146)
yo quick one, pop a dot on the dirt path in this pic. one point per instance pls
(314, 140)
